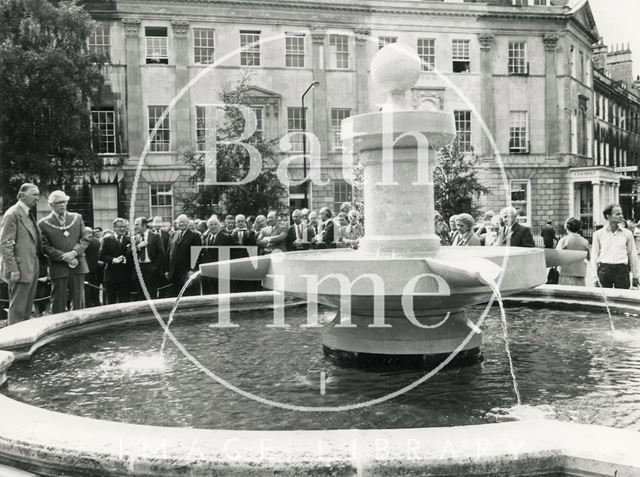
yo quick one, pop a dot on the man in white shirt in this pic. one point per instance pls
(614, 251)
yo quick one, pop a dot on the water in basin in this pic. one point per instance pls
(569, 365)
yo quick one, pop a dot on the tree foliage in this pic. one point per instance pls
(232, 164)
(48, 78)
(456, 185)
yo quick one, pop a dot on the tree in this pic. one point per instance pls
(232, 163)
(456, 185)
(48, 79)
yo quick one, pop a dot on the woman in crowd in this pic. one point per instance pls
(352, 232)
(491, 235)
(574, 273)
(465, 236)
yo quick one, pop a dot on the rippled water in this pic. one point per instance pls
(569, 365)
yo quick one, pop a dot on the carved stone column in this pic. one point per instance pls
(552, 110)
(362, 70)
(136, 132)
(181, 123)
(487, 98)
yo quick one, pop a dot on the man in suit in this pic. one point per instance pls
(179, 267)
(20, 243)
(115, 252)
(157, 226)
(513, 234)
(150, 253)
(274, 235)
(214, 237)
(326, 236)
(92, 287)
(295, 236)
(65, 239)
(242, 236)
(548, 235)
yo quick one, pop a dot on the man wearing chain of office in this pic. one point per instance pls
(64, 241)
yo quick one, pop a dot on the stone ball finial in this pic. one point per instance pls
(395, 69)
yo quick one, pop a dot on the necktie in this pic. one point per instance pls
(142, 251)
(62, 219)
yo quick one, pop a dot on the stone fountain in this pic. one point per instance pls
(401, 295)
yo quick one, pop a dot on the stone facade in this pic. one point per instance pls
(515, 88)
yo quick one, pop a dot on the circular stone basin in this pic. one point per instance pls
(569, 365)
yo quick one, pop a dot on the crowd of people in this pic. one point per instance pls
(60, 264)
(613, 254)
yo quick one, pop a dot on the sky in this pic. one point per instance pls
(618, 22)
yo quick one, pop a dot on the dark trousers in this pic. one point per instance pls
(117, 292)
(209, 286)
(92, 289)
(180, 279)
(67, 289)
(614, 275)
(150, 277)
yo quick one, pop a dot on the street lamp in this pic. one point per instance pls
(304, 141)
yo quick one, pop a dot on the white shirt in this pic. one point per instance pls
(617, 247)
(145, 237)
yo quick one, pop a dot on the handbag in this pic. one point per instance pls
(553, 277)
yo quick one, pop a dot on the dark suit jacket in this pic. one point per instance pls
(179, 256)
(164, 238)
(221, 239)
(248, 240)
(521, 236)
(110, 249)
(55, 243)
(292, 236)
(92, 253)
(548, 236)
(328, 235)
(155, 250)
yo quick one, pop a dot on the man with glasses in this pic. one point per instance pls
(64, 240)
(115, 253)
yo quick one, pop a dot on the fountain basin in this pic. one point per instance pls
(51, 443)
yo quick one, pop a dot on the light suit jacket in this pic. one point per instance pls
(20, 244)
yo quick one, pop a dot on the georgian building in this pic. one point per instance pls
(516, 74)
(617, 129)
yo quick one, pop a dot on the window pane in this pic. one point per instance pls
(161, 201)
(518, 140)
(463, 129)
(203, 45)
(342, 192)
(249, 42)
(517, 58)
(337, 115)
(295, 123)
(160, 141)
(104, 131)
(340, 51)
(427, 53)
(294, 50)
(100, 41)
(460, 56)
(386, 40)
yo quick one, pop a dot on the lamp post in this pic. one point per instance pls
(304, 141)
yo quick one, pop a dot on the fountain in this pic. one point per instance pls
(399, 297)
